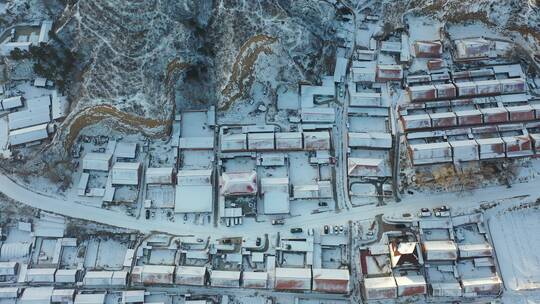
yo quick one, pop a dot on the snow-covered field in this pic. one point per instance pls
(517, 243)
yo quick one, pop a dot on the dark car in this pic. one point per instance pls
(323, 204)
(147, 214)
(296, 230)
(278, 222)
(326, 229)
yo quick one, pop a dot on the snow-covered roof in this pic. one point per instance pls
(440, 250)
(275, 183)
(238, 183)
(29, 117)
(133, 296)
(289, 140)
(159, 175)
(12, 102)
(90, 298)
(125, 173)
(26, 135)
(234, 142)
(36, 295)
(194, 177)
(197, 143)
(370, 139)
(193, 198)
(261, 141)
(125, 150)
(97, 161)
(317, 140)
(318, 115)
(276, 202)
(367, 167)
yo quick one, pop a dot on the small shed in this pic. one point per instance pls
(466, 89)
(411, 285)
(36, 295)
(440, 250)
(482, 286)
(491, 147)
(97, 161)
(428, 49)
(446, 289)
(494, 115)
(513, 85)
(197, 143)
(261, 141)
(253, 279)
(464, 150)
(90, 298)
(9, 293)
(430, 153)
(521, 113)
(163, 176)
(40, 275)
(446, 90)
(289, 141)
(367, 167)
(126, 173)
(443, 119)
(292, 279)
(12, 103)
(220, 278)
(422, 93)
(416, 121)
(516, 146)
(488, 87)
(317, 140)
(475, 250)
(98, 278)
(380, 288)
(469, 117)
(190, 275)
(8, 268)
(378, 140)
(132, 296)
(63, 296)
(331, 280)
(389, 72)
(364, 99)
(318, 115)
(125, 150)
(28, 135)
(157, 274)
(234, 142)
(65, 276)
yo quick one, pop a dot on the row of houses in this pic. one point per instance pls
(282, 141)
(466, 89)
(46, 295)
(475, 116)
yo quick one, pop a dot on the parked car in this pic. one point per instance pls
(326, 229)
(442, 211)
(147, 214)
(278, 222)
(296, 230)
(323, 204)
(425, 212)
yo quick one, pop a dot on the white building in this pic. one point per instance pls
(440, 250)
(28, 135)
(380, 288)
(275, 192)
(133, 296)
(292, 279)
(126, 173)
(36, 295)
(318, 115)
(197, 143)
(253, 279)
(194, 191)
(317, 140)
(97, 161)
(234, 142)
(221, 278)
(289, 141)
(90, 298)
(238, 183)
(379, 140)
(12, 103)
(190, 275)
(331, 280)
(370, 167)
(40, 275)
(261, 141)
(125, 150)
(159, 175)
(63, 295)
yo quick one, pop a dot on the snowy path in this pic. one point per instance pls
(409, 204)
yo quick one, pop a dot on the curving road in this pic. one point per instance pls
(410, 204)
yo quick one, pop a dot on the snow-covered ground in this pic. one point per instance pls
(517, 243)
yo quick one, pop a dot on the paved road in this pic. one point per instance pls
(410, 204)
